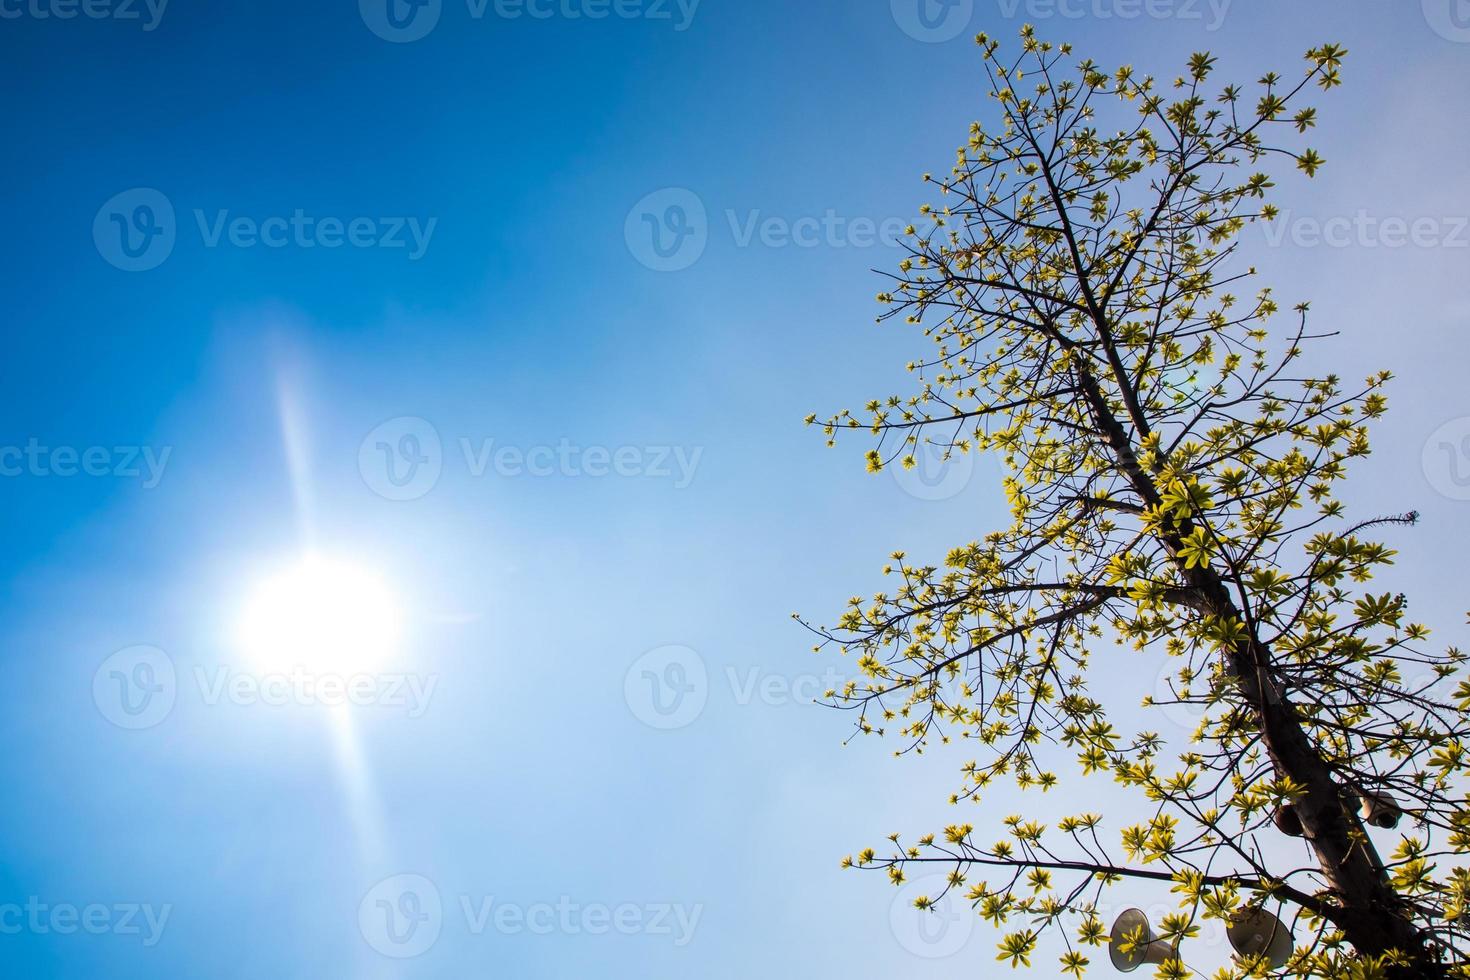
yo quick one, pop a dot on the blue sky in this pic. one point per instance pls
(388, 252)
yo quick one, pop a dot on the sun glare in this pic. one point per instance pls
(322, 615)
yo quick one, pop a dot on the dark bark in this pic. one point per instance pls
(1371, 914)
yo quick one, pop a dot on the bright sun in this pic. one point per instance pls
(323, 615)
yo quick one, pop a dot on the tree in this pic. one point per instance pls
(1172, 478)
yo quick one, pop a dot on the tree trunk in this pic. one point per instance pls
(1372, 915)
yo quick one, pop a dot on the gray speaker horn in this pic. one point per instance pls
(1259, 933)
(1146, 949)
(1380, 810)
